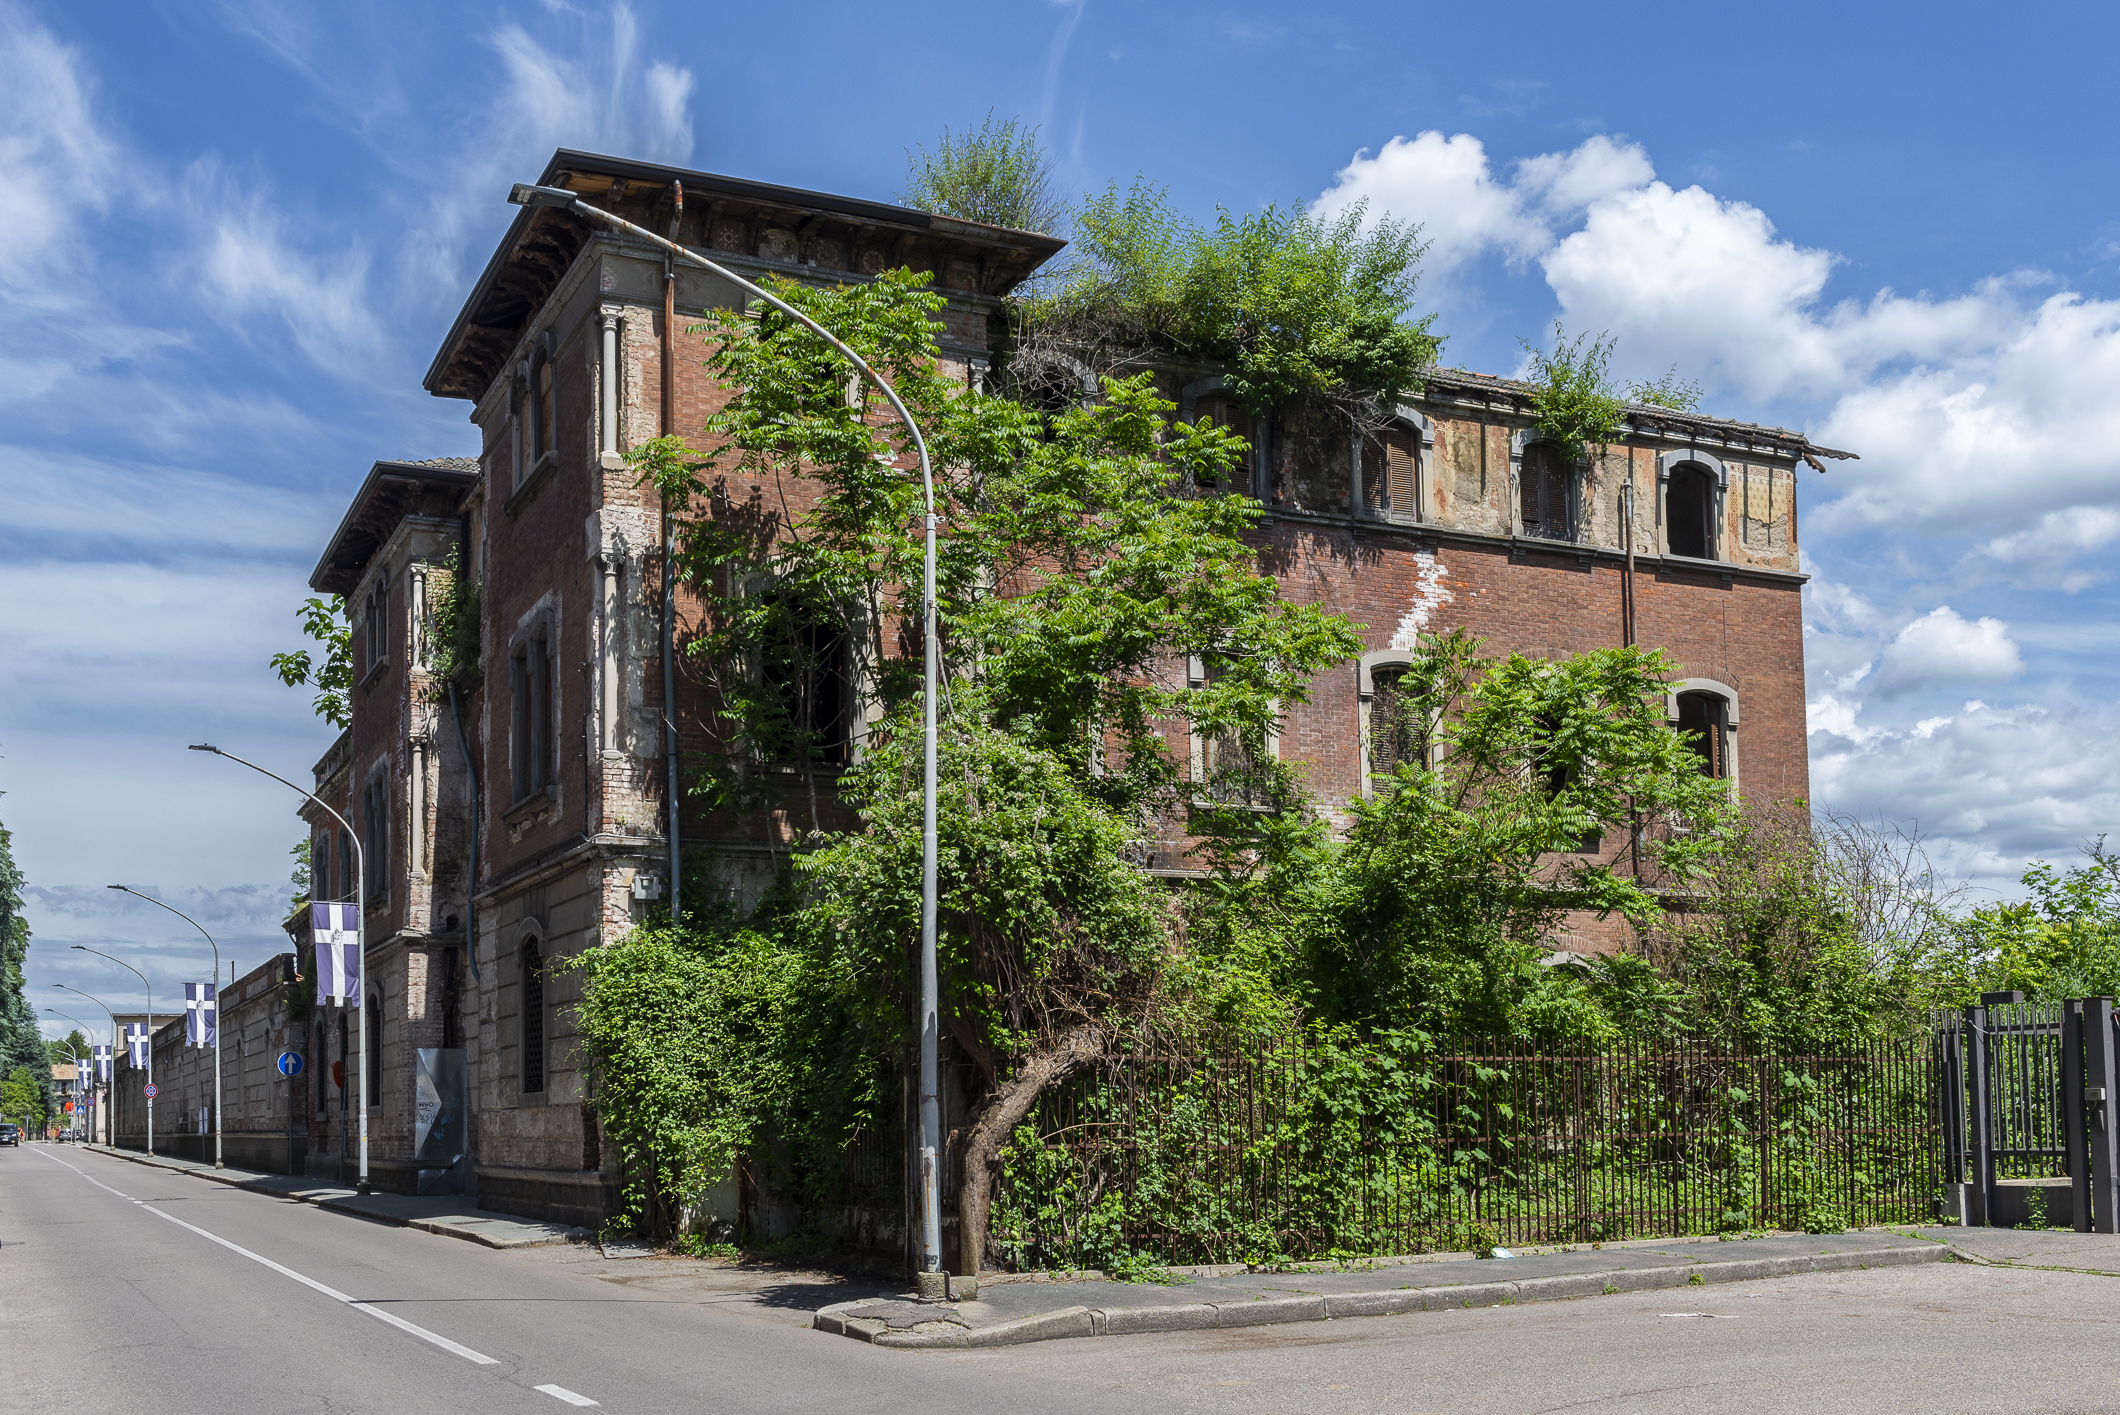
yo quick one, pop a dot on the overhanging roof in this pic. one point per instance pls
(542, 243)
(391, 490)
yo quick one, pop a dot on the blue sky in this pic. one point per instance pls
(235, 233)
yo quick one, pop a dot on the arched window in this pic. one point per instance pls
(345, 884)
(1704, 721)
(345, 1073)
(1689, 511)
(375, 1049)
(1395, 738)
(533, 1018)
(530, 736)
(317, 1068)
(1543, 492)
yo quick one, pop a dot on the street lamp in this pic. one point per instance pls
(525, 194)
(110, 1099)
(84, 948)
(74, 1059)
(77, 1061)
(216, 1009)
(360, 936)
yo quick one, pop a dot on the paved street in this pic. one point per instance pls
(125, 1288)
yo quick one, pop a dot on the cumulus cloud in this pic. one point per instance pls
(1448, 186)
(1942, 647)
(1992, 787)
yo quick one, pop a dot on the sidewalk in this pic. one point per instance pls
(1012, 1312)
(451, 1215)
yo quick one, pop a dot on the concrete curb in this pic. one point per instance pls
(236, 1180)
(947, 1332)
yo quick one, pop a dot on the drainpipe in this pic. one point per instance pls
(669, 623)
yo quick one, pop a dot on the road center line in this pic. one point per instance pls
(333, 1293)
(564, 1394)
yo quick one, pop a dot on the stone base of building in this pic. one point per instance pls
(267, 1154)
(583, 1198)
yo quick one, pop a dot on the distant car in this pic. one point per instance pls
(10, 1134)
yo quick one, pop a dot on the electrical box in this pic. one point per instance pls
(647, 886)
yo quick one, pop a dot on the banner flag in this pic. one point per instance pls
(136, 1043)
(103, 1065)
(199, 1009)
(336, 928)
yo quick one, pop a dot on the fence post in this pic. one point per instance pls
(1983, 1141)
(2099, 1089)
(2073, 1085)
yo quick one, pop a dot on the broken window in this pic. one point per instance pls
(1689, 512)
(1314, 463)
(1234, 771)
(1223, 412)
(1703, 720)
(375, 817)
(1560, 776)
(1543, 490)
(544, 407)
(530, 697)
(1398, 731)
(803, 667)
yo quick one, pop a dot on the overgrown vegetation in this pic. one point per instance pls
(452, 621)
(1290, 304)
(996, 173)
(1574, 401)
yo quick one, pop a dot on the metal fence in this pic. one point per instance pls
(1303, 1148)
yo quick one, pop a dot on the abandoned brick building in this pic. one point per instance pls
(528, 808)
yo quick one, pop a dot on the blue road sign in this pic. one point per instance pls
(290, 1063)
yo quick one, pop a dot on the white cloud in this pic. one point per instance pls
(1943, 647)
(1990, 787)
(56, 162)
(1449, 187)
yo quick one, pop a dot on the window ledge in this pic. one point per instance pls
(540, 472)
(375, 671)
(530, 806)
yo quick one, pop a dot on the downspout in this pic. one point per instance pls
(669, 596)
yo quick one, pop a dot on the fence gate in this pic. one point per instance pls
(2028, 1091)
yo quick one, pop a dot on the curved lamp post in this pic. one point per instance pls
(110, 1119)
(84, 948)
(77, 1060)
(360, 934)
(525, 194)
(216, 1009)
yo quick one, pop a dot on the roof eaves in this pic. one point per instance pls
(460, 473)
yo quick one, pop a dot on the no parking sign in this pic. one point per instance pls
(148, 1090)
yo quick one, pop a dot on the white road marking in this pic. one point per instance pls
(400, 1323)
(564, 1394)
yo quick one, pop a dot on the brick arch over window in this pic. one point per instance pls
(1709, 710)
(1690, 486)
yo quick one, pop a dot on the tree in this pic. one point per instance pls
(20, 1099)
(996, 173)
(1514, 773)
(332, 675)
(1574, 400)
(60, 1050)
(1079, 578)
(21, 1044)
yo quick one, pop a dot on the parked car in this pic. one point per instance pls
(10, 1134)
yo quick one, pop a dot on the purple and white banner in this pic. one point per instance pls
(336, 928)
(199, 1009)
(103, 1064)
(136, 1043)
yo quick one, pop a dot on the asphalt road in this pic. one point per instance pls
(124, 1288)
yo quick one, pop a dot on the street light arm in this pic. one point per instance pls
(182, 915)
(320, 803)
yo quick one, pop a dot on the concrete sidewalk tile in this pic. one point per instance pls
(1268, 1311)
(1183, 1316)
(1046, 1326)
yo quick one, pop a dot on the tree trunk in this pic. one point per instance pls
(998, 1119)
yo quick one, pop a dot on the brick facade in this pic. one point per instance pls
(560, 351)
